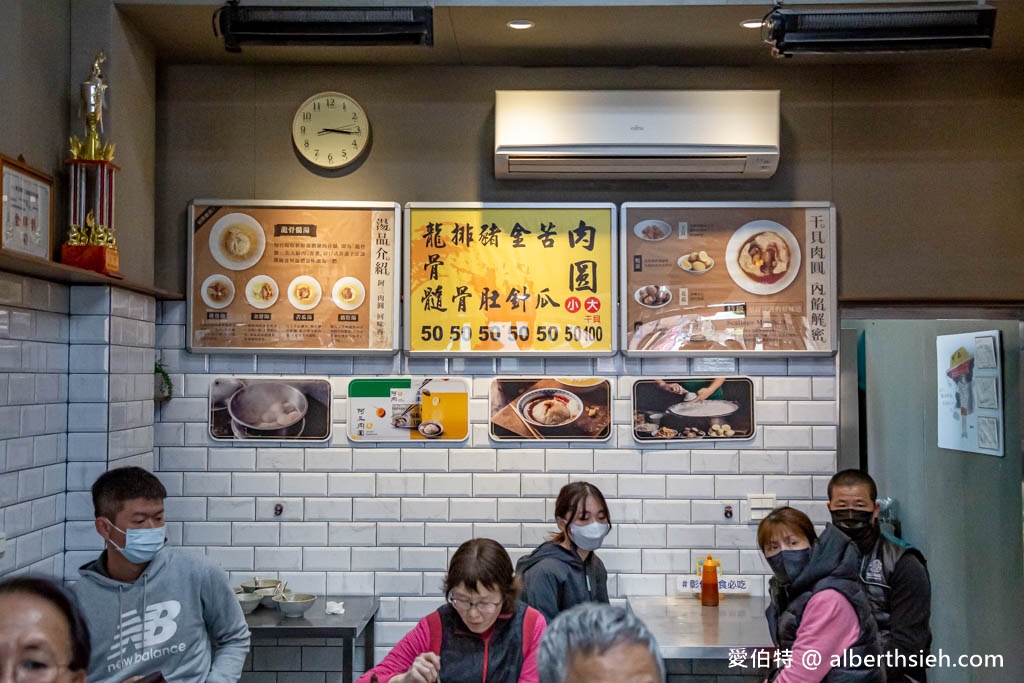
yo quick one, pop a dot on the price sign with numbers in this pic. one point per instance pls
(510, 279)
(729, 279)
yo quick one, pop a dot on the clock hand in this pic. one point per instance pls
(345, 131)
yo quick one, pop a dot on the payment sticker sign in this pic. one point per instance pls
(510, 279)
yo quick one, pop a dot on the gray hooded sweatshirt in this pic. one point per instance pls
(193, 629)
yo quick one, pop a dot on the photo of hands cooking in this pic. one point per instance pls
(693, 408)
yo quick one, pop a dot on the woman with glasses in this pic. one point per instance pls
(482, 633)
(564, 571)
(43, 638)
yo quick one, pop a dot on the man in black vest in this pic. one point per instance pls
(894, 575)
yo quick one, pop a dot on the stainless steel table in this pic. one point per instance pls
(358, 619)
(685, 630)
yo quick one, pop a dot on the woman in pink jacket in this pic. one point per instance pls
(483, 634)
(819, 617)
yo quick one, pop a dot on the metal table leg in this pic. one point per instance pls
(348, 647)
(368, 639)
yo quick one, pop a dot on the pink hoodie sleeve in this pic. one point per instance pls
(528, 674)
(402, 655)
(829, 626)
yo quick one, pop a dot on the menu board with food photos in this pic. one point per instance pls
(306, 277)
(510, 279)
(729, 279)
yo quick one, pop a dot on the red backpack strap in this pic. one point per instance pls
(529, 626)
(434, 626)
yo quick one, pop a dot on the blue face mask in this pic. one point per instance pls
(141, 545)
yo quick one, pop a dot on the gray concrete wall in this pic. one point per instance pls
(961, 509)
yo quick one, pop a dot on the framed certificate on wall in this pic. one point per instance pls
(291, 276)
(27, 209)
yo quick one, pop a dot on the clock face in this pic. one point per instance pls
(330, 130)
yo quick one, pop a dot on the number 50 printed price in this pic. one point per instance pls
(511, 279)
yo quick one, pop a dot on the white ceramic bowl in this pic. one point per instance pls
(294, 604)
(267, 596)
(250, 587)
(249, 601)
(527, 405)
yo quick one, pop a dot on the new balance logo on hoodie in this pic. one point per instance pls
(140, 640)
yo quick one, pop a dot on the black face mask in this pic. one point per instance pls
(859, 525)
(788, 564)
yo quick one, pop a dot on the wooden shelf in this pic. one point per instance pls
(23, 264)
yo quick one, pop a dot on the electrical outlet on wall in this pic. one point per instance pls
(760, 504)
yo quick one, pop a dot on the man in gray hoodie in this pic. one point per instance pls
(149, 608)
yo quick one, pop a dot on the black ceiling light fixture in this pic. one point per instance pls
(956, 26)
(270, 25)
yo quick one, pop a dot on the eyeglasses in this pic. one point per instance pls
(484, 608)
(36, 670)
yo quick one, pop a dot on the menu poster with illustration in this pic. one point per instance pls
(284, 276)
(970, 397)
(729, 279)
(555, 408)
(510, 279)
(693, 408)
(270, 408)
(406, 409)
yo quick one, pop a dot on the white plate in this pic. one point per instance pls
(679, 262)
(354, 300)
(218, 279)
(305, 280)
(249, 228)
(649, 227)
(666, 294)
(257, 282)
(740, 237)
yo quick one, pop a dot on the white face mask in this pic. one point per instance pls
(589, 537)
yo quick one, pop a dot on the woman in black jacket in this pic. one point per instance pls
(564, 571)
(819, 612)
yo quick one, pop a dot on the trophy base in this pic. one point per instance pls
(92, 257)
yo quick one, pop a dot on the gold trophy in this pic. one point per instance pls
(91, 243)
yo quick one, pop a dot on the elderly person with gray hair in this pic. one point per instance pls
(599, 643)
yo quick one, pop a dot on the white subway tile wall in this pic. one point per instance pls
(34, 389)
(76, 388)
(385, 520)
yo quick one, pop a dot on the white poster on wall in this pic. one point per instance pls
(970, 399)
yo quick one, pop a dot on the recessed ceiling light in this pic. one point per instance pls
(520, 24)
(751, 23)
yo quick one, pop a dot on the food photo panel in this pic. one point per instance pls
(693, 408)
(289, 276)
(728, 279)
(408, 409)
(557, 408)
(270, 408)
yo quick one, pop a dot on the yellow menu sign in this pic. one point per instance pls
(510, 279)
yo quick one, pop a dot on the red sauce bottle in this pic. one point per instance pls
(709, 583)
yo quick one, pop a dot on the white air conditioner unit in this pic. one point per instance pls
(636, 133)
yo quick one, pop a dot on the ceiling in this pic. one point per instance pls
(573, 33)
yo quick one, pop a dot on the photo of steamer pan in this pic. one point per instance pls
(270, 408)
(556, 408)
(693, 408)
